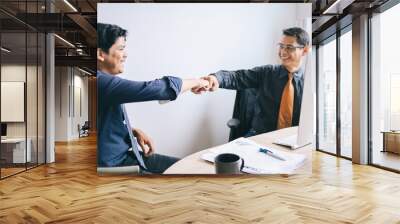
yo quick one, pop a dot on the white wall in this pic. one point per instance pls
(68, 81)
(61, 103)
(80, 100)
(188, 40)
(17, 73)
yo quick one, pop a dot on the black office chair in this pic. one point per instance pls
(84, 130)
(243, 112)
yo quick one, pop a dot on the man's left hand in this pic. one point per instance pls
(145, 142)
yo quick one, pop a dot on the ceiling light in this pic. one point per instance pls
(5, 50)
(326, 11)
(86, 72)
(70, 5)
(65, 41)
(79, 51)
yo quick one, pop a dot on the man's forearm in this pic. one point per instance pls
(239, 79)
(188, 84)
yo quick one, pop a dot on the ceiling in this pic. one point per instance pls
(75, 21)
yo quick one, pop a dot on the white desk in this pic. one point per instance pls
(193, 164)
(18, 149)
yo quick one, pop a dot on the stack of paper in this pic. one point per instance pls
(255, 161)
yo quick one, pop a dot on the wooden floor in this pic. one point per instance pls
(70, 191)
(10, 171)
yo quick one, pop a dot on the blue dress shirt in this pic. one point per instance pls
(112, 135)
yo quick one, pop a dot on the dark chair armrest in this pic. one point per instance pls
(233, 123)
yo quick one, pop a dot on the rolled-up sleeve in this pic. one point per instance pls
(120, 90)
(241, 79)
(175, 84)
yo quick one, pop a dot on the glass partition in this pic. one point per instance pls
(31, 98)
(41, 96)
(14, 153)
(22, 90)
(327, 97)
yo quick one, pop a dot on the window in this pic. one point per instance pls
(385, 89)
(346, 94)
(327, 97)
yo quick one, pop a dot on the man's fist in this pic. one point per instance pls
(213, 82)
(212, 85)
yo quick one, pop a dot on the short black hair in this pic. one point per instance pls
(301, 35)
(107, 34)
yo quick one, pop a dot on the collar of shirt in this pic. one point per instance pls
(101, 73)
(283, 73)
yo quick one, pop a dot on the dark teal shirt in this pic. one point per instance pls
(269, 81)
(113, 139)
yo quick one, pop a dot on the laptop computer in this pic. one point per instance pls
(305, 130)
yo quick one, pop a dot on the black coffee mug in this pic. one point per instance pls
(228, 163)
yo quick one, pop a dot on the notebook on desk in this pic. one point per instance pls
(256, 162)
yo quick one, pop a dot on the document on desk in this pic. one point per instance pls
(256, 162)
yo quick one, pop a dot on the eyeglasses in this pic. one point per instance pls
(288, 47)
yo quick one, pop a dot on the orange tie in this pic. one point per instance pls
(286, 107)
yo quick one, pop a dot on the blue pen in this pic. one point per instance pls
(269, 152)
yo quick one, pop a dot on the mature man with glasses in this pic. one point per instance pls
(279, 87)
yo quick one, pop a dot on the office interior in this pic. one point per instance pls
(48, 47)
(48, 85)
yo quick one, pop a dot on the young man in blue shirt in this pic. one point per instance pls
(117, 139)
